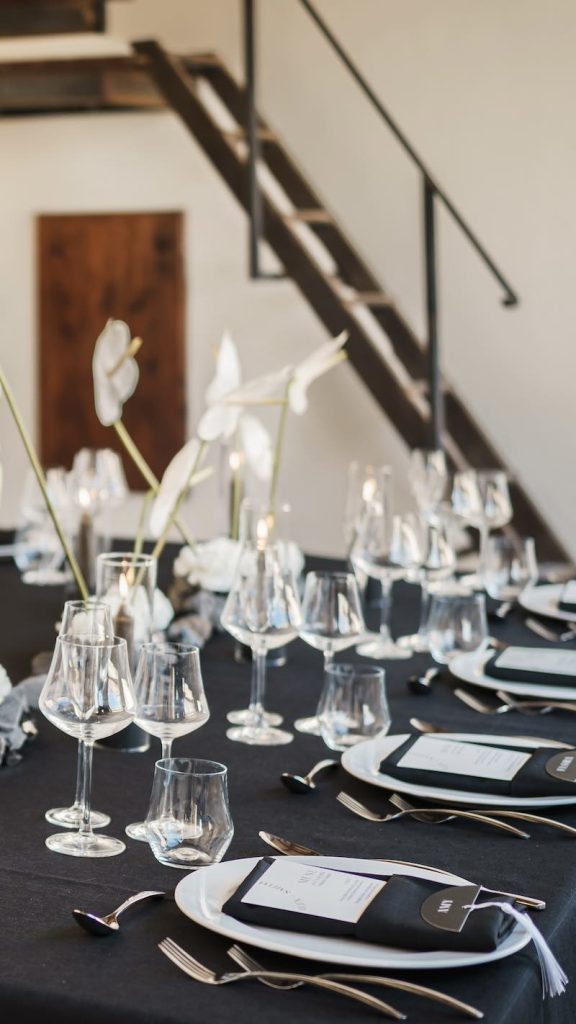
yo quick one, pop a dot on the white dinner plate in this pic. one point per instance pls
(544, 601)
(363, 762)
(470, 668)
(202, 894)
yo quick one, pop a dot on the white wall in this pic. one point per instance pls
(485, 91)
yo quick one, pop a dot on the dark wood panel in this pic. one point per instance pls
(95, 266)
(44, 17)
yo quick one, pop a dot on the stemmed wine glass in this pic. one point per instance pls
(82, 618)
(428, 476)
(482, 500)
(437, 563)
(510, 565)
(251, 512)
(170, 699)
(387, 549)
(331, 621)
(88, 694)
(263, 611)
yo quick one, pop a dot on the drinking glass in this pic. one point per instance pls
(331, 621)
(170, 699)
(364, 482)
(386, 548)
(100, 473)
(127, 582)
(82, 618)
(353, 706)
(88, 694)
(457, 625)
(428, 476)
(482, 500)
(263, 611)
(251, 512)
(437, 564)
(509, 566)
(189, 823)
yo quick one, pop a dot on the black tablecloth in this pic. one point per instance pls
(51, 971)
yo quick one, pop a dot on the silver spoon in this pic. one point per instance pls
(305, 783)
(421, 684)
(108, 925)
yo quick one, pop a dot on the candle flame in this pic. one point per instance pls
(369, 489)
(84, 498)
(123, 586)
(235, 461)
(261, 534)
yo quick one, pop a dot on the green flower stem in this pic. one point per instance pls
(34, 462)
(280, 433)
(141, 464)
(236, 493)
(139, 542)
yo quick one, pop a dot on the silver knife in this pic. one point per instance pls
(291, 849)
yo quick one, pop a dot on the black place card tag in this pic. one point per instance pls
(563, 766)
(449, 908)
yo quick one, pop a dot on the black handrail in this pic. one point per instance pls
(431, 192)
(510, 298)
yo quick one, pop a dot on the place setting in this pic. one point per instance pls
(201, 811)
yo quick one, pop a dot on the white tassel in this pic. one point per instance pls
(554, 980)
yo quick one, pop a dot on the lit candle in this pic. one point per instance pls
(86, 540)
(124, 620)
(369, 489)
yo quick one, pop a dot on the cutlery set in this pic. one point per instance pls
(337, 982)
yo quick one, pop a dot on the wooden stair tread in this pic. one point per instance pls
(314, 215)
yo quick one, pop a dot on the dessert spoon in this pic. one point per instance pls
(108, 925)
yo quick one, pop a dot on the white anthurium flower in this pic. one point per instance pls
(115, 373)
(211, 565)
(319, 362)
(176, 478)
(225, 416)
(256, 444)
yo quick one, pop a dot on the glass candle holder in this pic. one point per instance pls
(127, 583)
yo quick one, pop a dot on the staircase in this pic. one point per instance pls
(304, 235)
(329, 272)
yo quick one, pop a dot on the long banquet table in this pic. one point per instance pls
(51, 971)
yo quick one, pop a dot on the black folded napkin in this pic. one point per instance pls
(546, 771)
(497, 668)
(400, 915)
(567, 602)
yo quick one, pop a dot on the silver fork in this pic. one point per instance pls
(199, 972)
(525, 707)
(441, 814)
(248, 963)
(546, 633)
(499, 812)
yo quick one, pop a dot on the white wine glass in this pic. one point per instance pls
(82, 618)
(510, 565)
(428, 476)
(262, 611)
(437, 564)
(331, 621)
(387, 549)
(170, 699)
(482, 500)
(457, 625)
(88, 694)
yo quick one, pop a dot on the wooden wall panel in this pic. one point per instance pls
(95, 266)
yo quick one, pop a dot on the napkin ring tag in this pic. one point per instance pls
(449, 908)
(562, 766)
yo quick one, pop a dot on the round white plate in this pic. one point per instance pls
(470, 668)
(544, 601)
(202, 894)
(363, 762)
